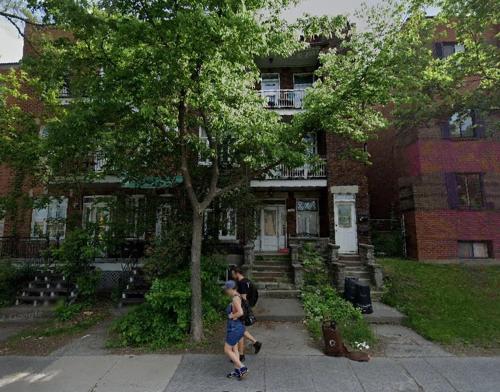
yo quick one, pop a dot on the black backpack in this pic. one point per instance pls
(253, 294)
(248, 317)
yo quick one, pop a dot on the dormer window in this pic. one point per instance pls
(446, 49)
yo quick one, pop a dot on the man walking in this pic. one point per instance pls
(249, 293)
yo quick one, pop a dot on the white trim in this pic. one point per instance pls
(318, 183)
(345, 189)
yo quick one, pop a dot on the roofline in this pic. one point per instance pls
(9, 65)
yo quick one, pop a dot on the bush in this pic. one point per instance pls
(322, 303)
(12, 279)
(75, 259)
(389, 243)
(66, 312)
(164, 319)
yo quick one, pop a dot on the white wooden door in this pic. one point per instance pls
(272, 228)
(346, 235)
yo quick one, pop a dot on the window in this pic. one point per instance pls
(50, 220)
(2, 226)
(97, 212)
(227, 224)
(307, 218)
(446, 49)
(135, 209)
(312, 144)
(162, 216)
(303, 81)
(465, 190)
(473, 249)
(270, 85)
(461, 125)
(224, 228)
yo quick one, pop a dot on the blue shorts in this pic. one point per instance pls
(235, 331)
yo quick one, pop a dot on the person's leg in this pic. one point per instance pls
(249, 337)
(233, 354)
(241, 347)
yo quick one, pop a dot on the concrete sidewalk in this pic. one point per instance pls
(270, 373)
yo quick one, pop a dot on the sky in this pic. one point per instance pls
(11, 44)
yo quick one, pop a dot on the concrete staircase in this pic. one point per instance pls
(136, 288)
(47, 288)
(354, 267)
(273, 275)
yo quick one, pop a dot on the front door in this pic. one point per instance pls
(272, 228)
(346, 235)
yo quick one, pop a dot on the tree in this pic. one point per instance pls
(145, 78)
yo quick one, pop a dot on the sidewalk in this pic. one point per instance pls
(206, 373)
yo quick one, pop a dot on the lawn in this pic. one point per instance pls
(450, 304)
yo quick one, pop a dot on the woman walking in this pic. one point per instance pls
(235, 330)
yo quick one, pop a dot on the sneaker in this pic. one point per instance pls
(242, 358)
(243, 373)
(234, 374)
(257, 346)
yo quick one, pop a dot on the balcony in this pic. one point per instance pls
(308, 175)
(284, 99)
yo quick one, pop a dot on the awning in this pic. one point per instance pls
(154, 183)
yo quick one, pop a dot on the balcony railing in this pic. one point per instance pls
(308, 171)
(284, 99)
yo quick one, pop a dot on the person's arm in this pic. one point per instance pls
(237, 309)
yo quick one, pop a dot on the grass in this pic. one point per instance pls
(450, 304)
(45, 337)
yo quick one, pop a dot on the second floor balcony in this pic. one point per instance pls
(307, 171)
(284, 98)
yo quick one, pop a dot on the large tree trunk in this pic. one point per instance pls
(196, 305)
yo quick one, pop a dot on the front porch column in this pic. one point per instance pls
(336, 269)
(248, 259)
(298, 268)
(367, 254)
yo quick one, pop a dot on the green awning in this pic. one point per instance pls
(154, 183)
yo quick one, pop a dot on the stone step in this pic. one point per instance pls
(279, 309)
(271, 267)
(361, 275)
(131, 293)
(263, 275)
(277, 293)
(37, 300)
(274, 286)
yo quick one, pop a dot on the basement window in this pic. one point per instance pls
(473, 249)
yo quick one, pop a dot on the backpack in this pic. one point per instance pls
(253, 294)
(248, 317)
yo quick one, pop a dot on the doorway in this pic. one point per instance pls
(271, 228)
(346, 233)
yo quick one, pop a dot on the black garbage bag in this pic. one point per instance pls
(363, 298)
(350, 289)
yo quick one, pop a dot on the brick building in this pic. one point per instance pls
(443, 181)
(323, 203)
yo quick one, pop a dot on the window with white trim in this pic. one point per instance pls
(97, 211)
(50, 220)
(473, 249)
(307, 217)
(227, 224)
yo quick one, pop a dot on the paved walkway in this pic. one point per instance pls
(270, 373)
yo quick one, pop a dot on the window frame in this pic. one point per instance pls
(439, 48)
(472, 243)
(299, 199)
(468, 206)
(59, 202)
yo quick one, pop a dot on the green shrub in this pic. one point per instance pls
(75, 259)
(12, 279)
(390, 243)
(322, 303)
(66, 312)
(164, 319)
